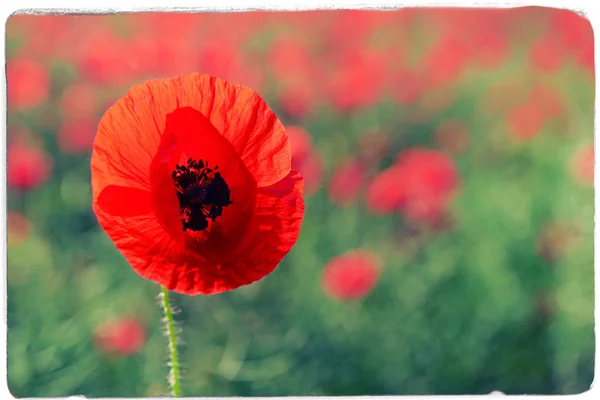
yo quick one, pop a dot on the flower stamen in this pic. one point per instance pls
(202, 193)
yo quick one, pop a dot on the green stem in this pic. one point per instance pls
(174, 373)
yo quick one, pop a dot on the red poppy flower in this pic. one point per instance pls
(420, 185)
(77, 136)
(346, 27)
(526, 120)
(357, 80)
(218, 58)
(223, 58)
(192, 180)
(582, 165)
(104, 58)
(546, 55)
(346, 181)
(28, 83)
(430, 180)
(174, 55)
(143, 54)
(385, 191)
(574, 29)
(311, 169)
(490, 47)
(407, 86)
(122, 336)
(80, 100)
(576, 34)
(352, 275)
(480, 32)
(445, 61)
(300, 144)
(289, 58)
(28, 167)
(37, 40)
(549, 99)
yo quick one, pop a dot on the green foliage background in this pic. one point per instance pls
(454, 312)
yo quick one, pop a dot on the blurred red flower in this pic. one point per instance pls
(306, 159)
(219, 58)
(529, 117)
(445, 61)
(311, 169)
(348, 27)
(346, 181)
(177, 26)
(18, 228)
(429, 180)
(385, 191)
(582, 165)
(352, 275)
(526, 120)
(289, 58)
(79, 100)
(300, 144)
(223, 58)
(105, 58)
(192, 180)
(479, 34)
(174, 55)
(77, 136)
(28, 167)
(38, 42)
(489, 47)
(143, 55)
(120, 336)
(546, 54)
(28, 83)
(407, 86)
(420, 185)
(357, 79)
(576, 36)
(549, 99)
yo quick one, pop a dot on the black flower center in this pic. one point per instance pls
(202, 194)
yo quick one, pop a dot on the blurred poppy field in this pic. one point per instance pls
(447, 244)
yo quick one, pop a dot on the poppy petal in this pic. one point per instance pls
(130, 131)
(164, 197)
(278, 218)
(189, 134)
(277, 221)
(152, 253)
(122, 201)
(245, 120)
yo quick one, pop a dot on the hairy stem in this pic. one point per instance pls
(170, 325)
